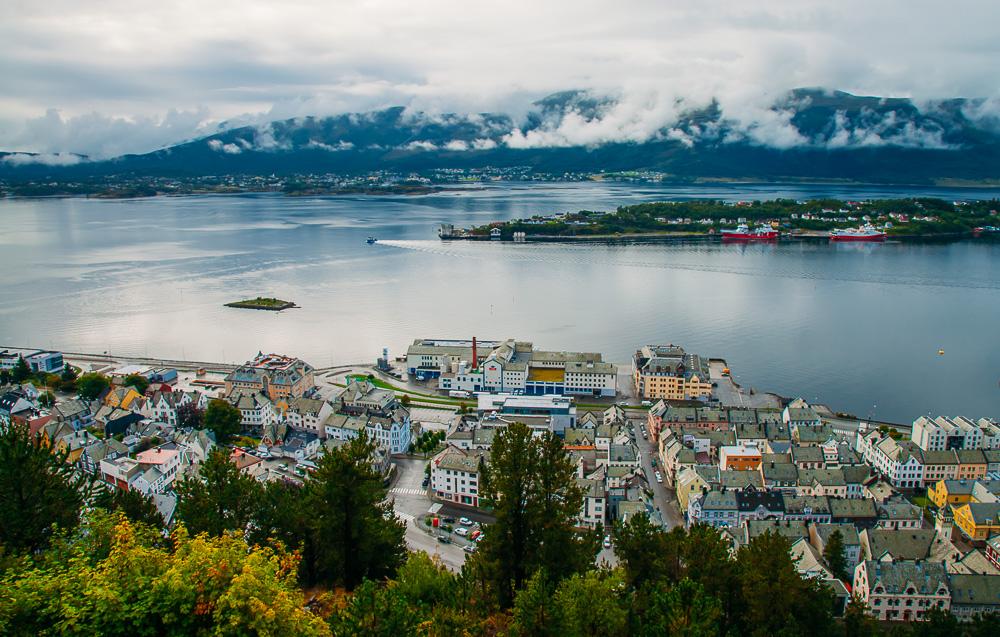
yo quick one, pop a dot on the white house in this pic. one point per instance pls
(902, 590)
(900, 462)
(456, 475)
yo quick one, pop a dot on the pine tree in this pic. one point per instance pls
(39, 491)
(833, 553)
(536, 501)
(21, 371)
(220, 498)
(352, 527)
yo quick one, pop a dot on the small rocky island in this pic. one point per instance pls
(262, 303)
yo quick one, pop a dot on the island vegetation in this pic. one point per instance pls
(913, 217)
(263, 303)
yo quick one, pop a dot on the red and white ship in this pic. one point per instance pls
(867, 232)
(743, 233)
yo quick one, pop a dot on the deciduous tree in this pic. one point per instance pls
(138, 381)
(91, 385)
(223, 419)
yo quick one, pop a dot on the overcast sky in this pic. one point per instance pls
(109, 76)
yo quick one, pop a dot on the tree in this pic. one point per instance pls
(776, 599)
(39, 491)
(91, 385)
(533, 613)
(21, 371)
(46, 399)
(591, 605)
(405, 400)
(141, 586)
(644, 550)
(68, 373)
(220, 498)
(536, 500)
(138, 381)
(223, 419)
(375, 611)
(833, 553)
(682, 609)
(5, 377)
(134, 505)
(351, 522)
(857, 621)
(189, 416)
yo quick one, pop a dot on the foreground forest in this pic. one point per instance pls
(328, 558)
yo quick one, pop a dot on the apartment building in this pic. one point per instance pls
(667, 371)
(902, 590)
(456, 475)
(274, 375)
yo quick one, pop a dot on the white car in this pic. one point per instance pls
(465, 521)
(607, 541)
(461, 531)
(659, 477)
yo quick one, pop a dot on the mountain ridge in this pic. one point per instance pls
(803, 134)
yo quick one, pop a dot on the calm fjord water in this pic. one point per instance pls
(855, 326)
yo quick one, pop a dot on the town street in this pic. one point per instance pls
(663, 498)
(410, 502)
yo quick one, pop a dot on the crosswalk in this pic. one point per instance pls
(406, 517)
(403, 491)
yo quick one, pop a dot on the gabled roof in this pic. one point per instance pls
(975, 590)
(901, 544)
(927, 577)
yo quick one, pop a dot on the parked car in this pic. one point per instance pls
(444, 539)
(659, 477)
(465, 521)
(607, 541)
(462, 531)
(470, 548)
(425, 483)
(449, 520)
(475, 534)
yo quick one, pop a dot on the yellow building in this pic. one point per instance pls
(668, 372)
(273, 375)
(953, 492)
(122, 397)
(978, 520)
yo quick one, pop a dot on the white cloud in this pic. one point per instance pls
(421, 145)
(48, 159)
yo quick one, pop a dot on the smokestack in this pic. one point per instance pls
(475, 363)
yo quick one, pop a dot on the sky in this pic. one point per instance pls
(106, 77)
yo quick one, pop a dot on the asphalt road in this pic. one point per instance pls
(410, 503)
(663, 498)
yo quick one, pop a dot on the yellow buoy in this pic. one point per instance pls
(940, 352)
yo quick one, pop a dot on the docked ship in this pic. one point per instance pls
(744, 233)
(867, 232)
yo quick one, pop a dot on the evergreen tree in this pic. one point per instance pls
(220, 498)
(39, 491)
(681, 609)
(21, 371)
(134, 505)
(375, 611)
(68, 373)
(776, 599)
(642, 549)
(350, 523)
(592, 605)
(536, 501)
(534, 614)
(222, 419)
(857, 621)
(833, 553)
